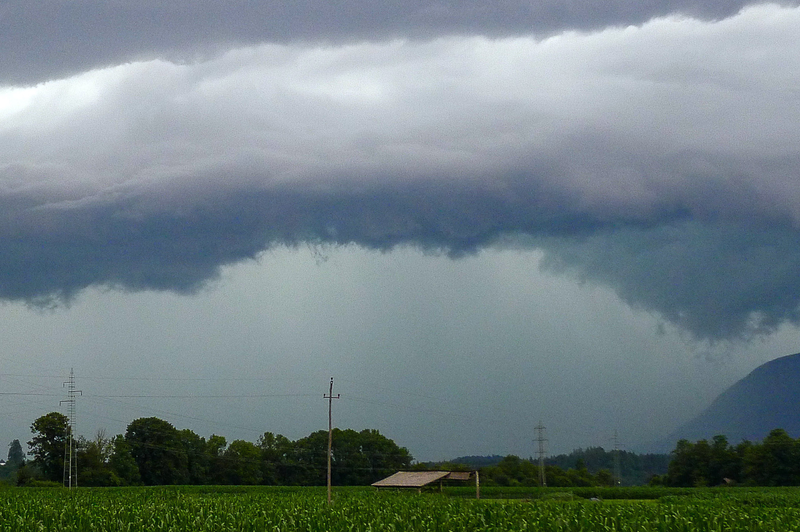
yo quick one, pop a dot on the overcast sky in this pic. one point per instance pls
(473, 215)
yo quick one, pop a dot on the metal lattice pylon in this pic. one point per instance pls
(70, 449)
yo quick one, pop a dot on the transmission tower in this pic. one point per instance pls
(540, 439)
(70, 449)
(617, 472)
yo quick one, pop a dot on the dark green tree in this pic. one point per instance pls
(581, 477)
(384, 457)
(275, 458)
(604, 478)
(307, 460)
(350, 464)
(93, 457)
(774, 462)
(358, 458)
(122, 462)
(16, 457)
(198, 460)
(47, 445)
(156, 447)
(215, 449)
(725, 465)
(24, 475)
(241, 463)
(16, 460)
(518, 472)
(689, 465)
(515, 471)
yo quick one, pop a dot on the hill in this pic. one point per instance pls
(767, 398)
(478, 461)
(635, 469)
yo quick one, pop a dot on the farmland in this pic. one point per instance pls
(358, 509)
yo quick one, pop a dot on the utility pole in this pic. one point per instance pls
(540, 439)
(330, 397)
(70, 451)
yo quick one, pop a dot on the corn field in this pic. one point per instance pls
(304, 509)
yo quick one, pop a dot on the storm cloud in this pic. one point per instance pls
(659, 160)
(46, 39)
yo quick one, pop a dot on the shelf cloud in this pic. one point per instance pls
(659, 159)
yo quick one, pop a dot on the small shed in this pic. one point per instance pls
(419, 479)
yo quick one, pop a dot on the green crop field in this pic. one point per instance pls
(356, 509)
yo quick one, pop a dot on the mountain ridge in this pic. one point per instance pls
(767, 398)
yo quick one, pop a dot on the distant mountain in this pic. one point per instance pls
(768, 398)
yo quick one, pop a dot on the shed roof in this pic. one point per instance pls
(417, 479)
(410, 479)
(459, 475)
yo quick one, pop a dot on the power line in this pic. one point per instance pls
(161, 412)
(169, 396)
(32, 394)
(182, 379)
(451, 415)
(111, 397)
(201, 396)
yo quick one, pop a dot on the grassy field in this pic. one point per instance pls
(358, 509)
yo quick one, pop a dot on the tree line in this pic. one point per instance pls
(512, 471)
(592, 466)
(515, 471)
(634, 469)
(775, 461)
(153, 452)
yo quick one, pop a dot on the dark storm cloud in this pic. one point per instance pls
(715, 275)
(660, 161)
(716, 280)
(46, 39)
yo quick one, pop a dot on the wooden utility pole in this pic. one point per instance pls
(330, 397)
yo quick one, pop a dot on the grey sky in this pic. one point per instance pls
(653, 163)
(448, 358)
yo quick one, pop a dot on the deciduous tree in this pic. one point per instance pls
(155, 446)
(47, 445)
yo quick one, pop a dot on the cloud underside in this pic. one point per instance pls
(717, 280)
(660, 161)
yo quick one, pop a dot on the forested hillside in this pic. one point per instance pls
(635, 469)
